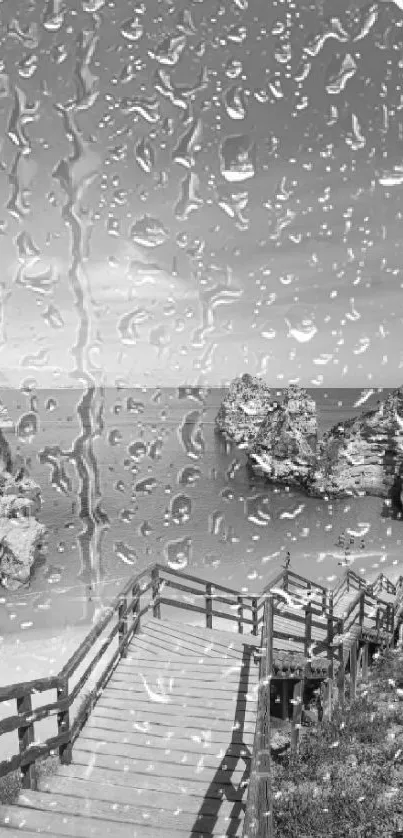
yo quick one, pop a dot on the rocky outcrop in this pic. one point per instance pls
(20, 533)
(244, 409)
(363, 455)
(19, 541)
(284, 448)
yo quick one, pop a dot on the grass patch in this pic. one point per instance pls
(10, 785)
(347, 779)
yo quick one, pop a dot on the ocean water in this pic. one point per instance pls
(130, 477)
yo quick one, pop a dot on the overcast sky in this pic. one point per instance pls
(221, 194)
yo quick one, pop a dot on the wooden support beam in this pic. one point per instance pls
(364, 661)
(341, 676)
(298, 694)
(308, 628)
(284, 698)
(353, 671)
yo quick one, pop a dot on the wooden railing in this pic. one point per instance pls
(123, 616)
(149, 590)
(258, 821)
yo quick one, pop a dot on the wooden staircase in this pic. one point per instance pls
(174, 737)
(167, 747)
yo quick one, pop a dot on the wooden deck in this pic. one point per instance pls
(167, 747)
(173, 736)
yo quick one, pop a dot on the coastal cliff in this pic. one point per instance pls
(243, 409)
(363, 455)
(20, 533)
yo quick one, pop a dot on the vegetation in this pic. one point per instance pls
(10, 785)
(347, 779)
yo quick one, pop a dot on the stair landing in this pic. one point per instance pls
(167, 747)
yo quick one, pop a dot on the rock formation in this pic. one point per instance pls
(363, 455)
(360, 456)
(20, 533)
(284, 448)
(244, 409)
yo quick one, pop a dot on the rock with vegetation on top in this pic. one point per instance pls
(243, 409)
(284, 449)
(20, 533)
(363, 455)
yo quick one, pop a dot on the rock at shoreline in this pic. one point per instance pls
(19, 540)
(244, 409)
(20, 532)
(363, 455)
(284, 448)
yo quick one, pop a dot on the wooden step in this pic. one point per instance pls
(150, 712)
(200, 739)
(173, 769)
(172, 686)
(190, 663)
(124, 703)
(204, 673)
(172, 753)
(83, 827)
(232, 638)
(118, 813)
(166, 801)
(176, 646)
(137, 780)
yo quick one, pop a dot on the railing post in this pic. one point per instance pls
(377, 619)
(308, 628)
(26, 738)
(258, 822)
(240, 615)
(122, 617)
(63, 723)
(209, 605)
(285, 580)
(353, 671)
(155, 580)
(136, 607)
(341, 676)
(254, 618)
(324, 601)
(362, 608)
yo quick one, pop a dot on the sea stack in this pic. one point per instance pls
(284, 449)
(20, 533)
(244, 409)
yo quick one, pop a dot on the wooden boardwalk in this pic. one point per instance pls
(167, 747)
(173, 737)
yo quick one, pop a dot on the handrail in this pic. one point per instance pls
(258, 821)
(127, 610)
(127, 606)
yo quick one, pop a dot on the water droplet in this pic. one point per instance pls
(237, 158)
(149, 232)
